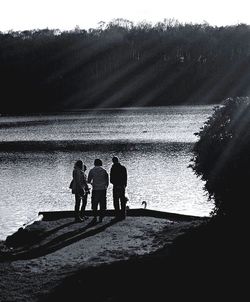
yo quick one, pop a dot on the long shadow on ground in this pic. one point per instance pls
(58, 242)
(201, 265)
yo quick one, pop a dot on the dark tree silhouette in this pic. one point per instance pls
(123, 64)
(222, 157)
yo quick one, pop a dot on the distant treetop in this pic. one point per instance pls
(123, 64)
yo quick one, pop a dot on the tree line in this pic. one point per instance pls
(122, 64)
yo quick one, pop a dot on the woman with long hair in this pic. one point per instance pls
(80, 189)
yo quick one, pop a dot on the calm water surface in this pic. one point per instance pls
(154, 143)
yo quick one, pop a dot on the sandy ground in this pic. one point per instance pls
(29, 280)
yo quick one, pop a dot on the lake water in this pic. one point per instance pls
(37, 154)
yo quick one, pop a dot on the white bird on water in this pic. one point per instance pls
(144, 203)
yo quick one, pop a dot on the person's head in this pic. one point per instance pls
(115, 160)
(79, 164)
(97, 162)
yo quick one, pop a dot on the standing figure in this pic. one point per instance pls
(118, 177)
(79, 188)
(85, 197)
(99, 179)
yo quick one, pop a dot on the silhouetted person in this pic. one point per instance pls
(85, 197)
(99, 179)
(80, 189)
(118, 177)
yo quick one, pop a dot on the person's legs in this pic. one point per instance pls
(94, 202)
(123, 203)
(83, 207)
(103, 203)
(119, 200)
(77, 206)
(116, 201)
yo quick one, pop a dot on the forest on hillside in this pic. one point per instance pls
(121, 64)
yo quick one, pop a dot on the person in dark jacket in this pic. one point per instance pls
(118, 177)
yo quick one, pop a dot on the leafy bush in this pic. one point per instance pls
(222, 157)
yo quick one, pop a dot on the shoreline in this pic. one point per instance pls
(138, 259)
(100, 109)
(127, 240)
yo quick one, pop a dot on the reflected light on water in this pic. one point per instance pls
(33, 182)
(153, 143)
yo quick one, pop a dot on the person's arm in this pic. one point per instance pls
(85, 182)
(111, 175)
(90, 177)
(125, 177)
(73, 182)
(107, 179)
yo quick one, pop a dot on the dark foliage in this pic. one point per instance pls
(122, 64)
(222, 157)
(23, 237)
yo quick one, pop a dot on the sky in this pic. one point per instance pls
(67, 14)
